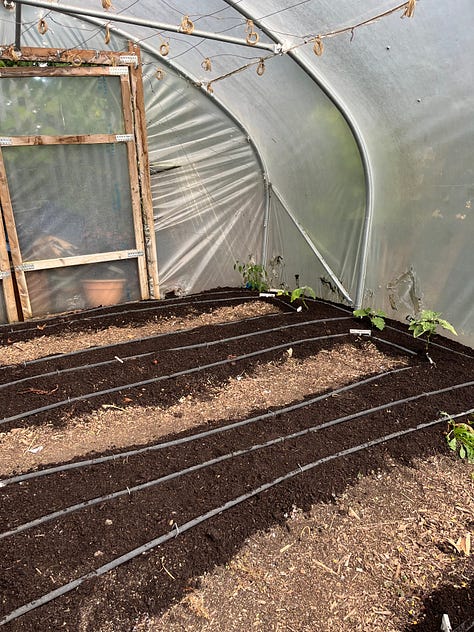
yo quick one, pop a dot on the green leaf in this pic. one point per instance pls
(448, 326)
(452, 443)
(361, 313)
(378, 322)
(462, 452)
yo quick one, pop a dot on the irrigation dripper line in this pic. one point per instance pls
(197, 436)
(140, 310)
(194, 522)
(154, 380)
(60, 356)
(225, 457)
(94, 365)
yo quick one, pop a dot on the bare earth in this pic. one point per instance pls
(374, 559)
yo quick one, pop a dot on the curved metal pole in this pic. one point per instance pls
(357, 134)
(117, 17)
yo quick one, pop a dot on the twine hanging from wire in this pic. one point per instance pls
(252, 37)
(206, 64)
(409, 9)
(107, 34)
(318, 47)
(186, 26)
(107, 4)
(42, 27)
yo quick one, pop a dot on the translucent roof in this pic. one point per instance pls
(355, 165)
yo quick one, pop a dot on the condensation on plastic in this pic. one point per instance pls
(410, 95)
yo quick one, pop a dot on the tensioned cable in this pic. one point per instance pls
(194, 468)
(199, 435)
(177, 530)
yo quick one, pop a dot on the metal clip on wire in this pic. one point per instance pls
(159, 74)
(260, 68)
(206, 64)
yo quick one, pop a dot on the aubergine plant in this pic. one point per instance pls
(460, 438)
(376, 317)
(254, 275)
(299, 293)
(426, 325)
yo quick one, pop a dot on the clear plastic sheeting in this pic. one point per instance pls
(369, 146)
(56, 215)
(60, 105)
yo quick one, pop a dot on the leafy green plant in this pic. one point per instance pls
(254, 275)
(376, 317)
(460, 438)
(427, 323)
(299, 293)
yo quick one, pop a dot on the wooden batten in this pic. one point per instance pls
(144, 172)
(74, 57)
(13, 240)
(134, 186)
(77, 260)
(70, 139)
(6, 283)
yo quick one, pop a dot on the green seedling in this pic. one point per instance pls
(254, 275)
(299, 293)
(376, 317)
(460, 438)
(427, 323)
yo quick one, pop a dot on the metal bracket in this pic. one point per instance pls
(129, 59)
(5, 274)
(118, 70)
(25, 267)
(123, 138)
(5, 140)
(134, 254)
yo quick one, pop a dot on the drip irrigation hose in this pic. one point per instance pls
(179, 529)
(140, 310)
(197, 436)
(154, 380)
(400, 331)
(225, 457)
(151, 338)
(131, 342)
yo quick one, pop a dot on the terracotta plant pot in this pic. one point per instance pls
(103, 291)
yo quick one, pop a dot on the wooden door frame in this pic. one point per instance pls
(126, 65)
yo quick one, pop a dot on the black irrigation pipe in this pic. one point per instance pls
(199, 435)
(225, 457)
(164, 305)
(154, 380)
(148, 353)
(70, 354)
(177, 530)
(400, 331)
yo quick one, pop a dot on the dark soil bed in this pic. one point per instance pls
(159, 371)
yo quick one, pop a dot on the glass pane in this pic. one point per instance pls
(77, 287)
(70, 199)
(60, 105)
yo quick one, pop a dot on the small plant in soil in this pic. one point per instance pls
(426, 325)
(254, 275)
(299, 293)
(376, 317)
(460, 438)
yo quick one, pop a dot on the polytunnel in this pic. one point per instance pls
(329, 141)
